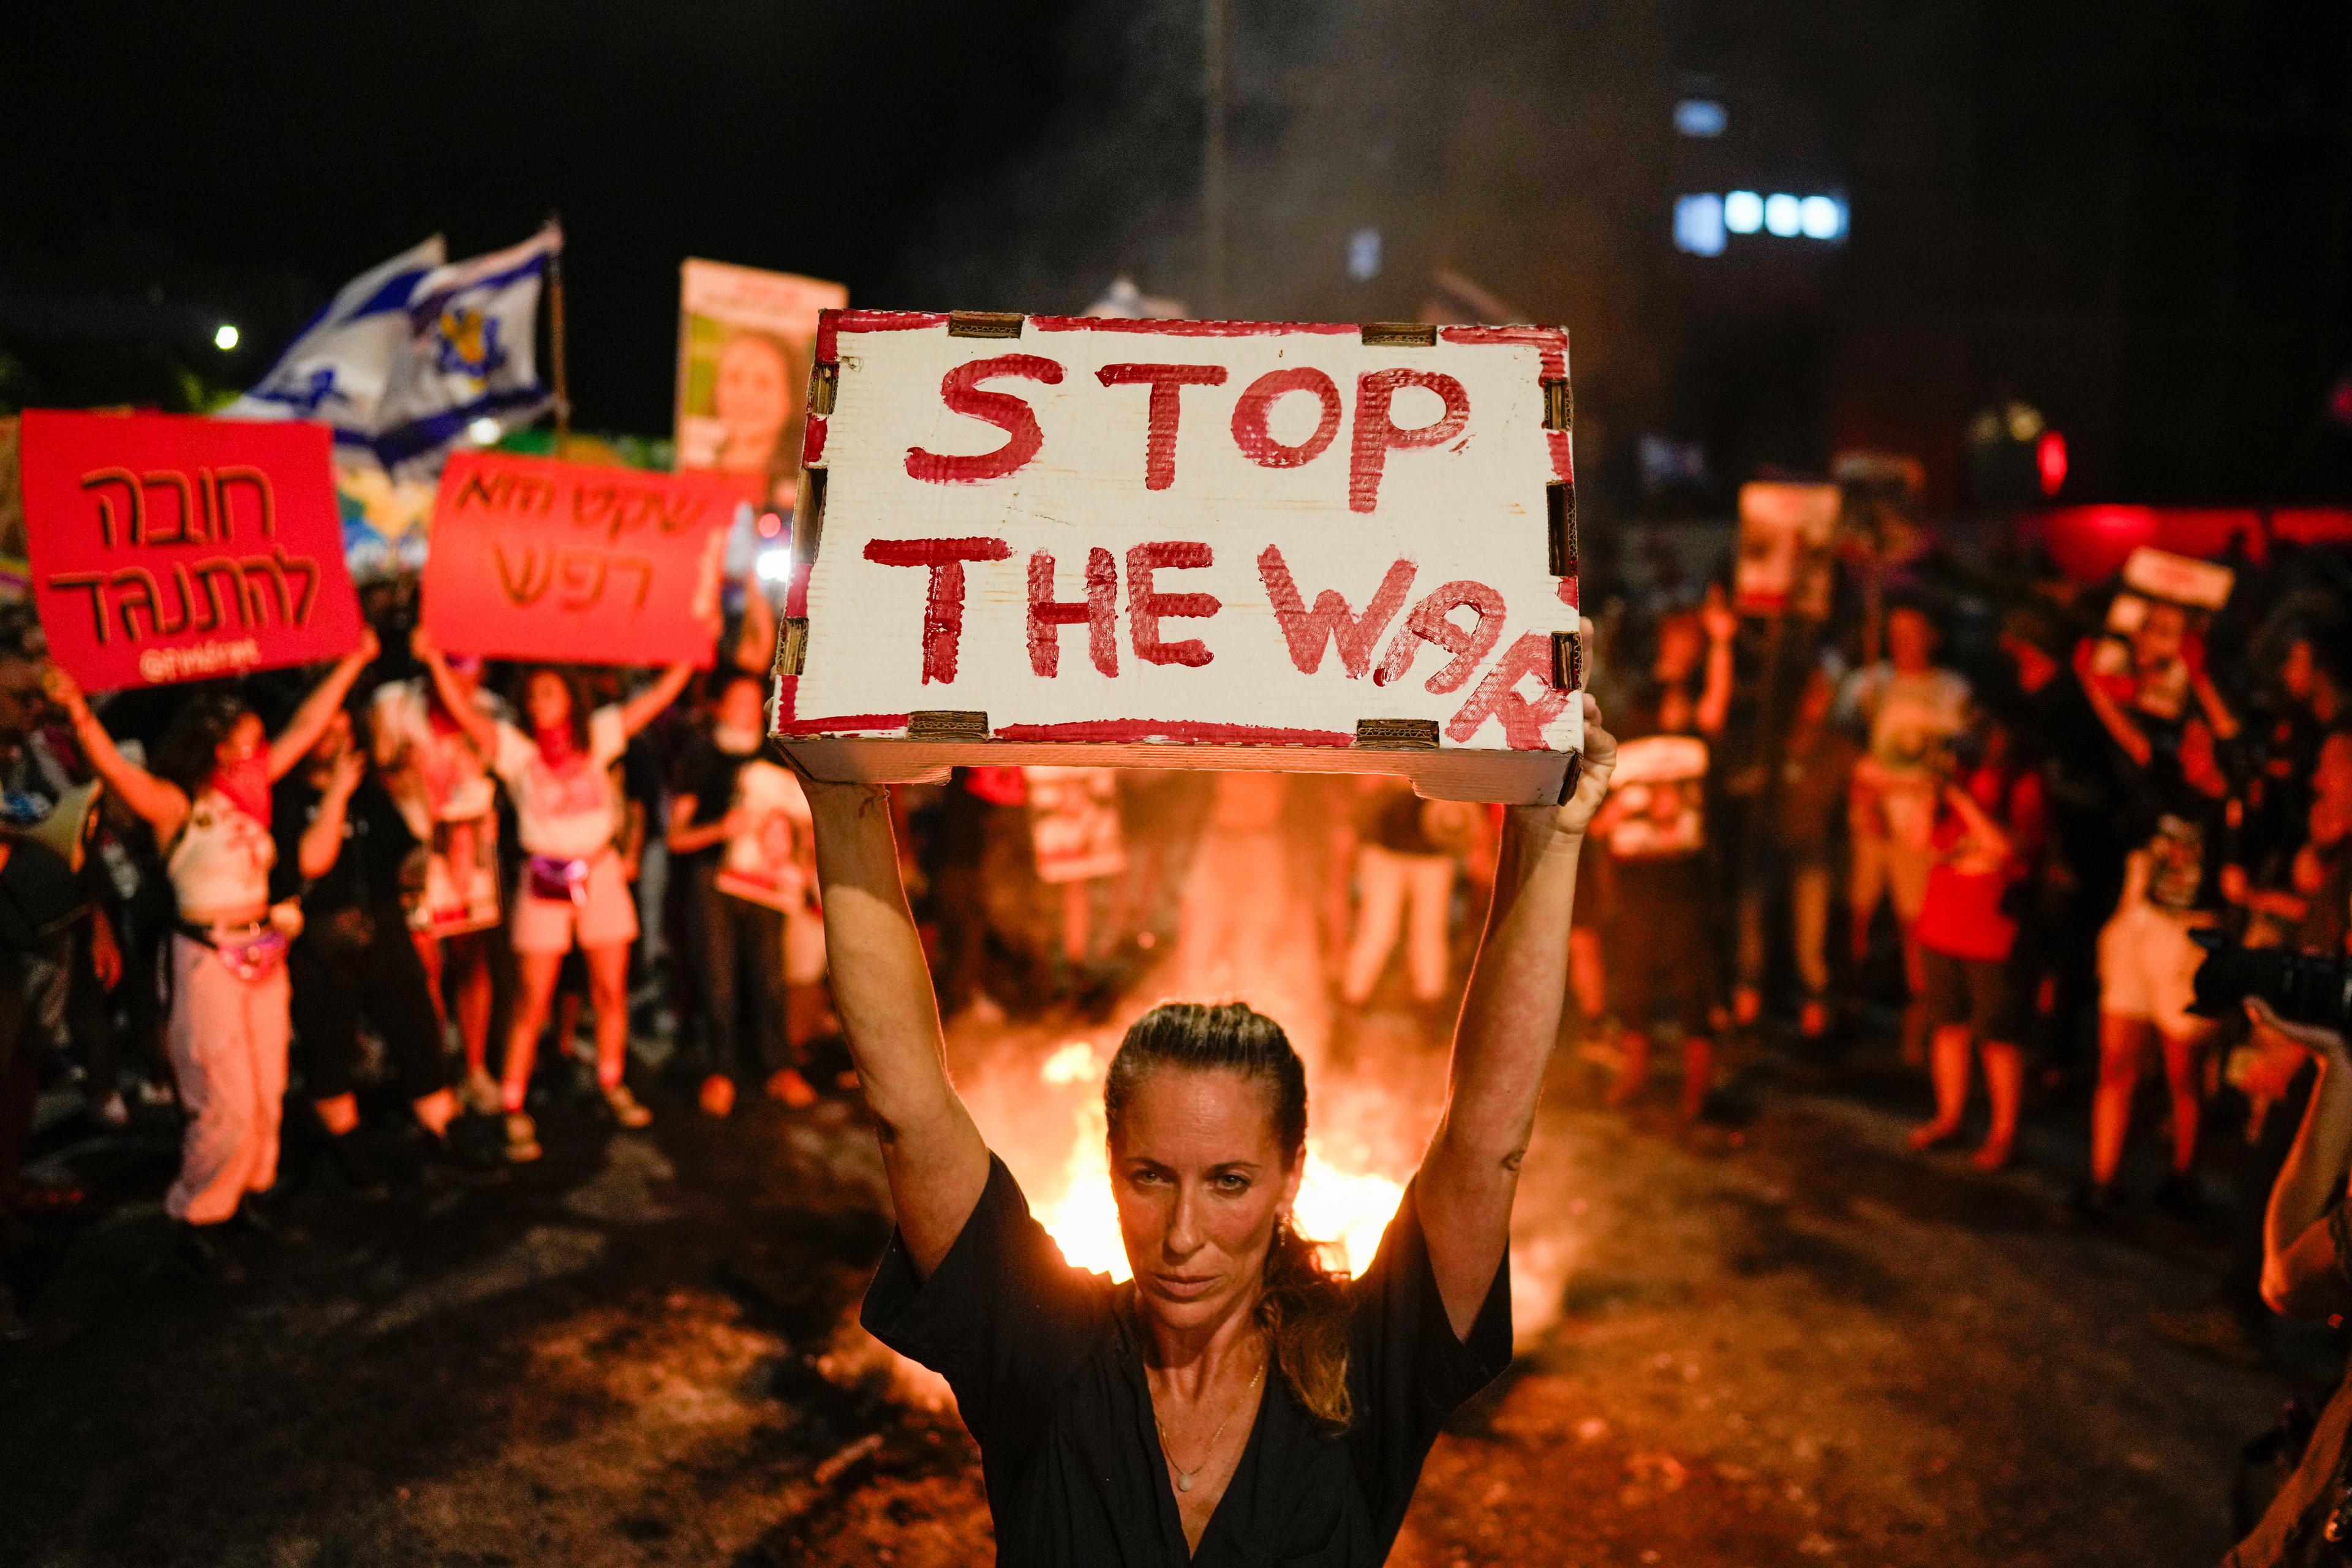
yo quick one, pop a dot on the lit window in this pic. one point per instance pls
(1698, 224)
(1781, 215)
(1700, 116)
(1822, 217)
(1743, 211)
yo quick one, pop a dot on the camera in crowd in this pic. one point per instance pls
(2301, 988)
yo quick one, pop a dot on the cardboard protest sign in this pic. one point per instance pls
(744, 339)
(1785, 533)
(2147, 666)
(169, 547)
(573, 563)
(1071, 539)
(1075, 831)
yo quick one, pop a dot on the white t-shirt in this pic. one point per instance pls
(1911, 717)
(572, 815)
(439, 777)
(222, 859)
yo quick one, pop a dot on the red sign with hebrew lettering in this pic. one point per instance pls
(575, 564)
(168, 548)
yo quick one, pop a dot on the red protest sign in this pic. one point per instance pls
(166, 548)
(572, 563)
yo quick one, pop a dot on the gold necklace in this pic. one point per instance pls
(1183, 1475)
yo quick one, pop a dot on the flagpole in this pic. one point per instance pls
(555, 333)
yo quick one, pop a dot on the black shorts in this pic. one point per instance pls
(1982, 993)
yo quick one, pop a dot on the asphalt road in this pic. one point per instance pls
(1793, 1344)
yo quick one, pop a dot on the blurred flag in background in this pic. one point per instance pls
(407, 359)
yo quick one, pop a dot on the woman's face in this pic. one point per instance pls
(246, 740)
(741, 705)
(335, 739)
(1200, 1180)
(2161, 637)
(1681, 641)
(548, 701)
(2295, 674)
(753, 399)
(1910, 640)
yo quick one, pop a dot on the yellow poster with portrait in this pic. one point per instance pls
(744, 342)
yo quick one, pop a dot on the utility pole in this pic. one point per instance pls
(1213, 167)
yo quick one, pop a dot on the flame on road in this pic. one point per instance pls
(1346, 1209)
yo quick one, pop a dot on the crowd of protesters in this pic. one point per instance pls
(1974, 815)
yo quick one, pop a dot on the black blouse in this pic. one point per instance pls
(1047, 1371)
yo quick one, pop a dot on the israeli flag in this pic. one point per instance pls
(338, 368)
(471, 354)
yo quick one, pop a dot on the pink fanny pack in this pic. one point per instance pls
(552, 876)
(250, 952)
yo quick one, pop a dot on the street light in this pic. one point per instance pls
(224, 337)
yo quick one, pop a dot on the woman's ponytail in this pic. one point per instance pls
(1304, 1313)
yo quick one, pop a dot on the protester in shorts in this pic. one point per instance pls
(209, 801)
(575, 887)
(1910, 707)
(444, 788)
(1988, 832)
(2147, 962)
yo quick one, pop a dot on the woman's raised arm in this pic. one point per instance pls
(647, 705)
(160, 803)
(937, 1163)
(479, 727)
(1510, 1016)
(292, 743)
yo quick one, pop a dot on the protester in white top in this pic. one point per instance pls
(208, 803)
(444, 788)
(574, 887)
(1913, 710)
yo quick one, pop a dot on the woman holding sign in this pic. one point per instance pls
(1235, 1403)
(208, 803)
(737, 837)
(575, 888)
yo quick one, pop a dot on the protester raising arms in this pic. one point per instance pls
(574, 886)
(209, 801)
(1235, 1402)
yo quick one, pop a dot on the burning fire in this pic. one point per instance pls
(1348, 1209)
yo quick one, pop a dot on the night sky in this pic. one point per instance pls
(2135, 217)
(265, 153)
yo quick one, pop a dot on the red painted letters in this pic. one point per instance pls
(943, 607)
(1159, 440)
(1331, 620)
(1498, 695)
(1428, 623)
(1377, 434)
(1098, 609)
(1250, 431)
(960, 390)
(1145, 607)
